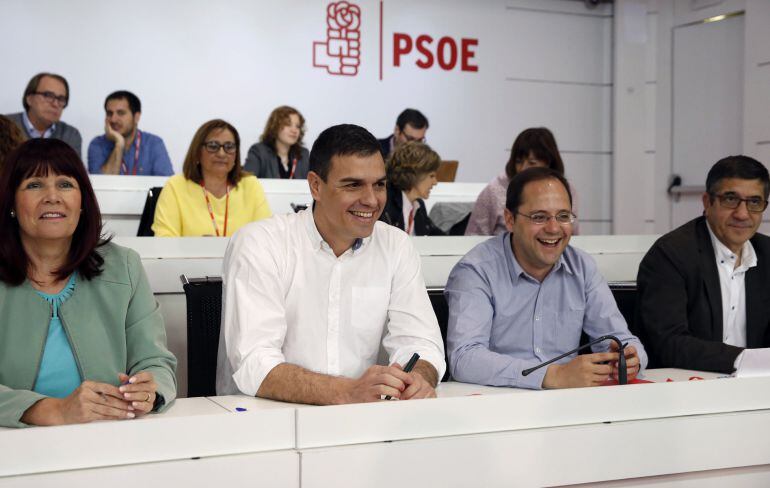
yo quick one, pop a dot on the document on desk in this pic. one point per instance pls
(754, 362)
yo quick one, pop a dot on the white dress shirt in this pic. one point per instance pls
(288, 298)
(408, 207)
(732, 282)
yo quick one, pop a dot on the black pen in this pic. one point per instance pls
(409, 366)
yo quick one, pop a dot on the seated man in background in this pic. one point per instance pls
(411, 125)
(524, 297)
(704, 288)
(123, 149)
(310, 298)
(44, 100)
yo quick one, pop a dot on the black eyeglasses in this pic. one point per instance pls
(414, 139)
(542, 218)
(213, 147)
(52, 97)
(732, 201)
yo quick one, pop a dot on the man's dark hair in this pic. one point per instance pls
(133, 101)
(340, 140)
(35, 82)
(413, 117)
(742, 167)
(522, 179)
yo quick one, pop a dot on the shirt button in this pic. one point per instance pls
(537, 350)
(537, 317)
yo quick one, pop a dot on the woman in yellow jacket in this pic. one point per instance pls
(212, 196)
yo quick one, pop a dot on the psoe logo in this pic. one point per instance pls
(341, 53)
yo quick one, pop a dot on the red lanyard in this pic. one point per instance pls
(137, 145)
(211, 210)
(293, 168)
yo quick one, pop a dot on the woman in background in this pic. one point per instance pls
(212, 196)
(11, 136)
(411, 176)
(280, 154)
(534, 147)
(81, 335)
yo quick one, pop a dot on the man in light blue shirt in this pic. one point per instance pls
(524, 297)
(123, 149)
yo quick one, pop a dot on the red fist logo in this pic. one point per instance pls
(341, 53)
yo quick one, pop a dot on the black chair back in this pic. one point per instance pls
(148, 214)
(441, 309)
(204, 312)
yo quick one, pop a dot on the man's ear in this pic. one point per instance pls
(315, 182)
(509, 218)
(706, 198)
(137, 116)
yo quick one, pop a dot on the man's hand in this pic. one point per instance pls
(632, 361)
(584, 370)
(376, 382)
(423, 378)
(114, 135)
(90, 401)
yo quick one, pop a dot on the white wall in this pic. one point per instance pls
(643, 119)
(541, 62)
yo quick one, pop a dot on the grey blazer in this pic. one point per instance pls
(63, 132)
(263, 162)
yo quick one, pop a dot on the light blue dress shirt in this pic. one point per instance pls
(502, 320)
(34, 133)
(153, 157)
(58, 375)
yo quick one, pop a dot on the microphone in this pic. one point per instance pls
(622, 369)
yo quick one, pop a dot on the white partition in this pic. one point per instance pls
(122, 198)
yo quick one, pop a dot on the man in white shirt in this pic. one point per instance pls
(311, 301)
(704, 288)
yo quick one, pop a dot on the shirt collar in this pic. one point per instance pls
(31, 128)
(405, 203)
(515, 268)
(723, 253)
(318, 241)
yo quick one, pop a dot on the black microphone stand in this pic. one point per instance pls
(622, 368)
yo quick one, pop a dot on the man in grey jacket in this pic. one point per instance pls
(44, 100)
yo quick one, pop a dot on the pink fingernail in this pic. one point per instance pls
(130, 415)
(122, 389)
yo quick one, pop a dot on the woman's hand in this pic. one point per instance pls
(139, 389)
(90, 401)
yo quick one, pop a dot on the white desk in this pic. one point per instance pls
(692, 433)
(528, 438)
(195, 443)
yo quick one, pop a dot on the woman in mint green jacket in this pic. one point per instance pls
(81, 335)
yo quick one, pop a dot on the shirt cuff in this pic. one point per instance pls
(433, 357)
(533, 381)
(253, 371)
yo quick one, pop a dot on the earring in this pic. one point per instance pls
(13, 214)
